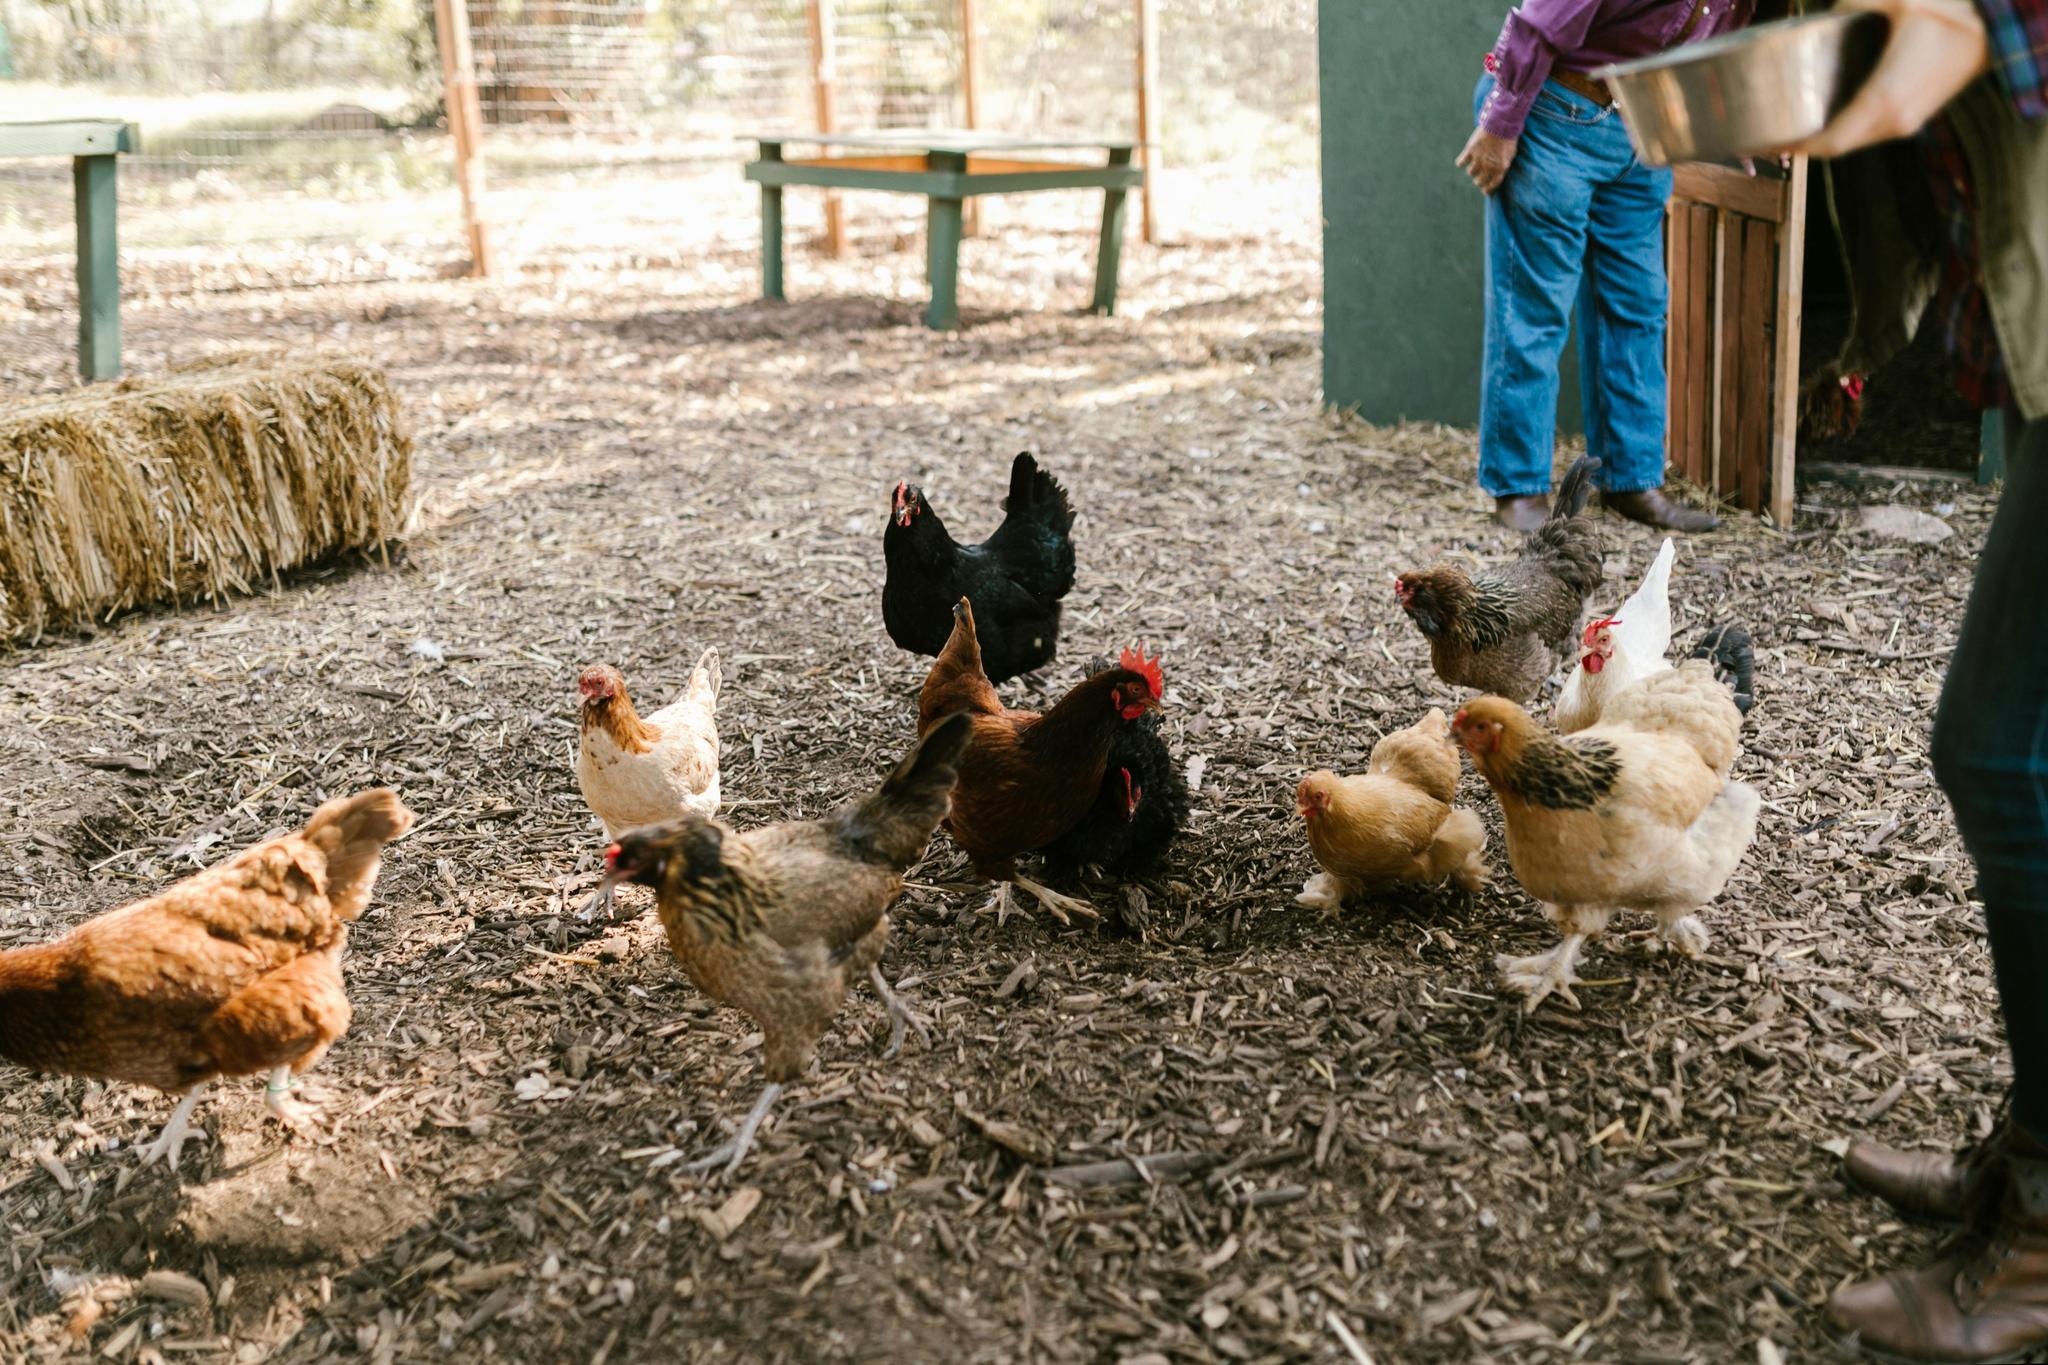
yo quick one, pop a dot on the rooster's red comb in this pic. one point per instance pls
(1599, 625)
(1135, 660)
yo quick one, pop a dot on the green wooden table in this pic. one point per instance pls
(947, 167)
(93, 146)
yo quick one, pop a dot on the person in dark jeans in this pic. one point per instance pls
(1941, 195)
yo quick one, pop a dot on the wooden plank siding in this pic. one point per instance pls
(1732, 352)
(1700, 314)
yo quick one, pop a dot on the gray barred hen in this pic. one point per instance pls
(1506, 630)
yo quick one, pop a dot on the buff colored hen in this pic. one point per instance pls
(1394, 823)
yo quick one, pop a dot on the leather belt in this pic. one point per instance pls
(1579, 83)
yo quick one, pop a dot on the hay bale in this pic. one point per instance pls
(213, 478)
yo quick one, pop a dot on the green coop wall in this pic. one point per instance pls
(1401, 224)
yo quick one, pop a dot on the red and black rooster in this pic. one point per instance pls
(1015, 578)
(1142, 804)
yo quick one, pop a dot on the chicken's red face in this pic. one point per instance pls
(1598, 644)
(909, 502)
(1311, 799)
(1478, 731)
(599, 682)
(1404, 590)
(633, 858)
(1145, 692)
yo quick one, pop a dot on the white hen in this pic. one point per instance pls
(1621, 649)
(636, 772)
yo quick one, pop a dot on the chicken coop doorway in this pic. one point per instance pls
(1759, 309)
(1909, 416)
(1735, 247)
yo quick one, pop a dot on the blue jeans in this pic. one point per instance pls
(1991, 756)
(1578, 217)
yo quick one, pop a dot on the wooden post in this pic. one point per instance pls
(1109, 249)
(970, 94)
(93, 180)
(1148, 112)
(465, 124)
(1785, 367)
(771, 229)
(823, 74)
(942, 248)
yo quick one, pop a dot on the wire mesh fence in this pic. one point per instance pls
(309, 136)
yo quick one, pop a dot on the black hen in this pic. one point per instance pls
(1015, 578)
(1729, 649)
(1141, 806)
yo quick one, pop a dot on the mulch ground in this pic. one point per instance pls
(1349, 1133)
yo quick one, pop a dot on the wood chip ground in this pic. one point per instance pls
(1224, 1129)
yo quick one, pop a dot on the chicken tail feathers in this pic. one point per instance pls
(1037, 496)
(1567, 543)
(707, 676)
(1575, 488)
(351, 831)
(893, 825)
(1730, 650)
(1035, 543)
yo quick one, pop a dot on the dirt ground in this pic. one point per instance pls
(624, 456)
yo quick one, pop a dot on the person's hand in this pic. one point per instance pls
(1936, 48)
(1486, 159)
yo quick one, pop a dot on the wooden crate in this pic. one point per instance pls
(1735, 250)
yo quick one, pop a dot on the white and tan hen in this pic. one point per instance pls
(636, 772)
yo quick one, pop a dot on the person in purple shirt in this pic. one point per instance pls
(1573, 216)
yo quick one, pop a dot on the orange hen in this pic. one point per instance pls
(233, 972)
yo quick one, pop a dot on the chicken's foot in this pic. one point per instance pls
(735, 1151)
(1322, 892)
(1056, 905)
(171, 1141)
(1544, 974)
(1683, 934)
(899, 1014)
(303, 1119)
(602, 901)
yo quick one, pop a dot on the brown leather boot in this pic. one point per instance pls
(1523, 513)
(1939, 1188)
(1653, 507)
(1984, 1299)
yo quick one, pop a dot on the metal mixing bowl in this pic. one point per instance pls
(1747, 92)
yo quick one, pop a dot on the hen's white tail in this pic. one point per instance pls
(1644, 632)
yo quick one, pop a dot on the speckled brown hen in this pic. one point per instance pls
(233, 972)
(781, 922)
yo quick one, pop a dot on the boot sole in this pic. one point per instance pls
(1855, 1345)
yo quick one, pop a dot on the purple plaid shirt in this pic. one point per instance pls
(2019, 55)
(1580, 35)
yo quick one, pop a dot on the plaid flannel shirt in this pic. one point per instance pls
(2018, 30)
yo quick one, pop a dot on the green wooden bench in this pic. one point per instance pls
(948, 168)
(93, 145)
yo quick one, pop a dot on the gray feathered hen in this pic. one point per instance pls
(1506, 630)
